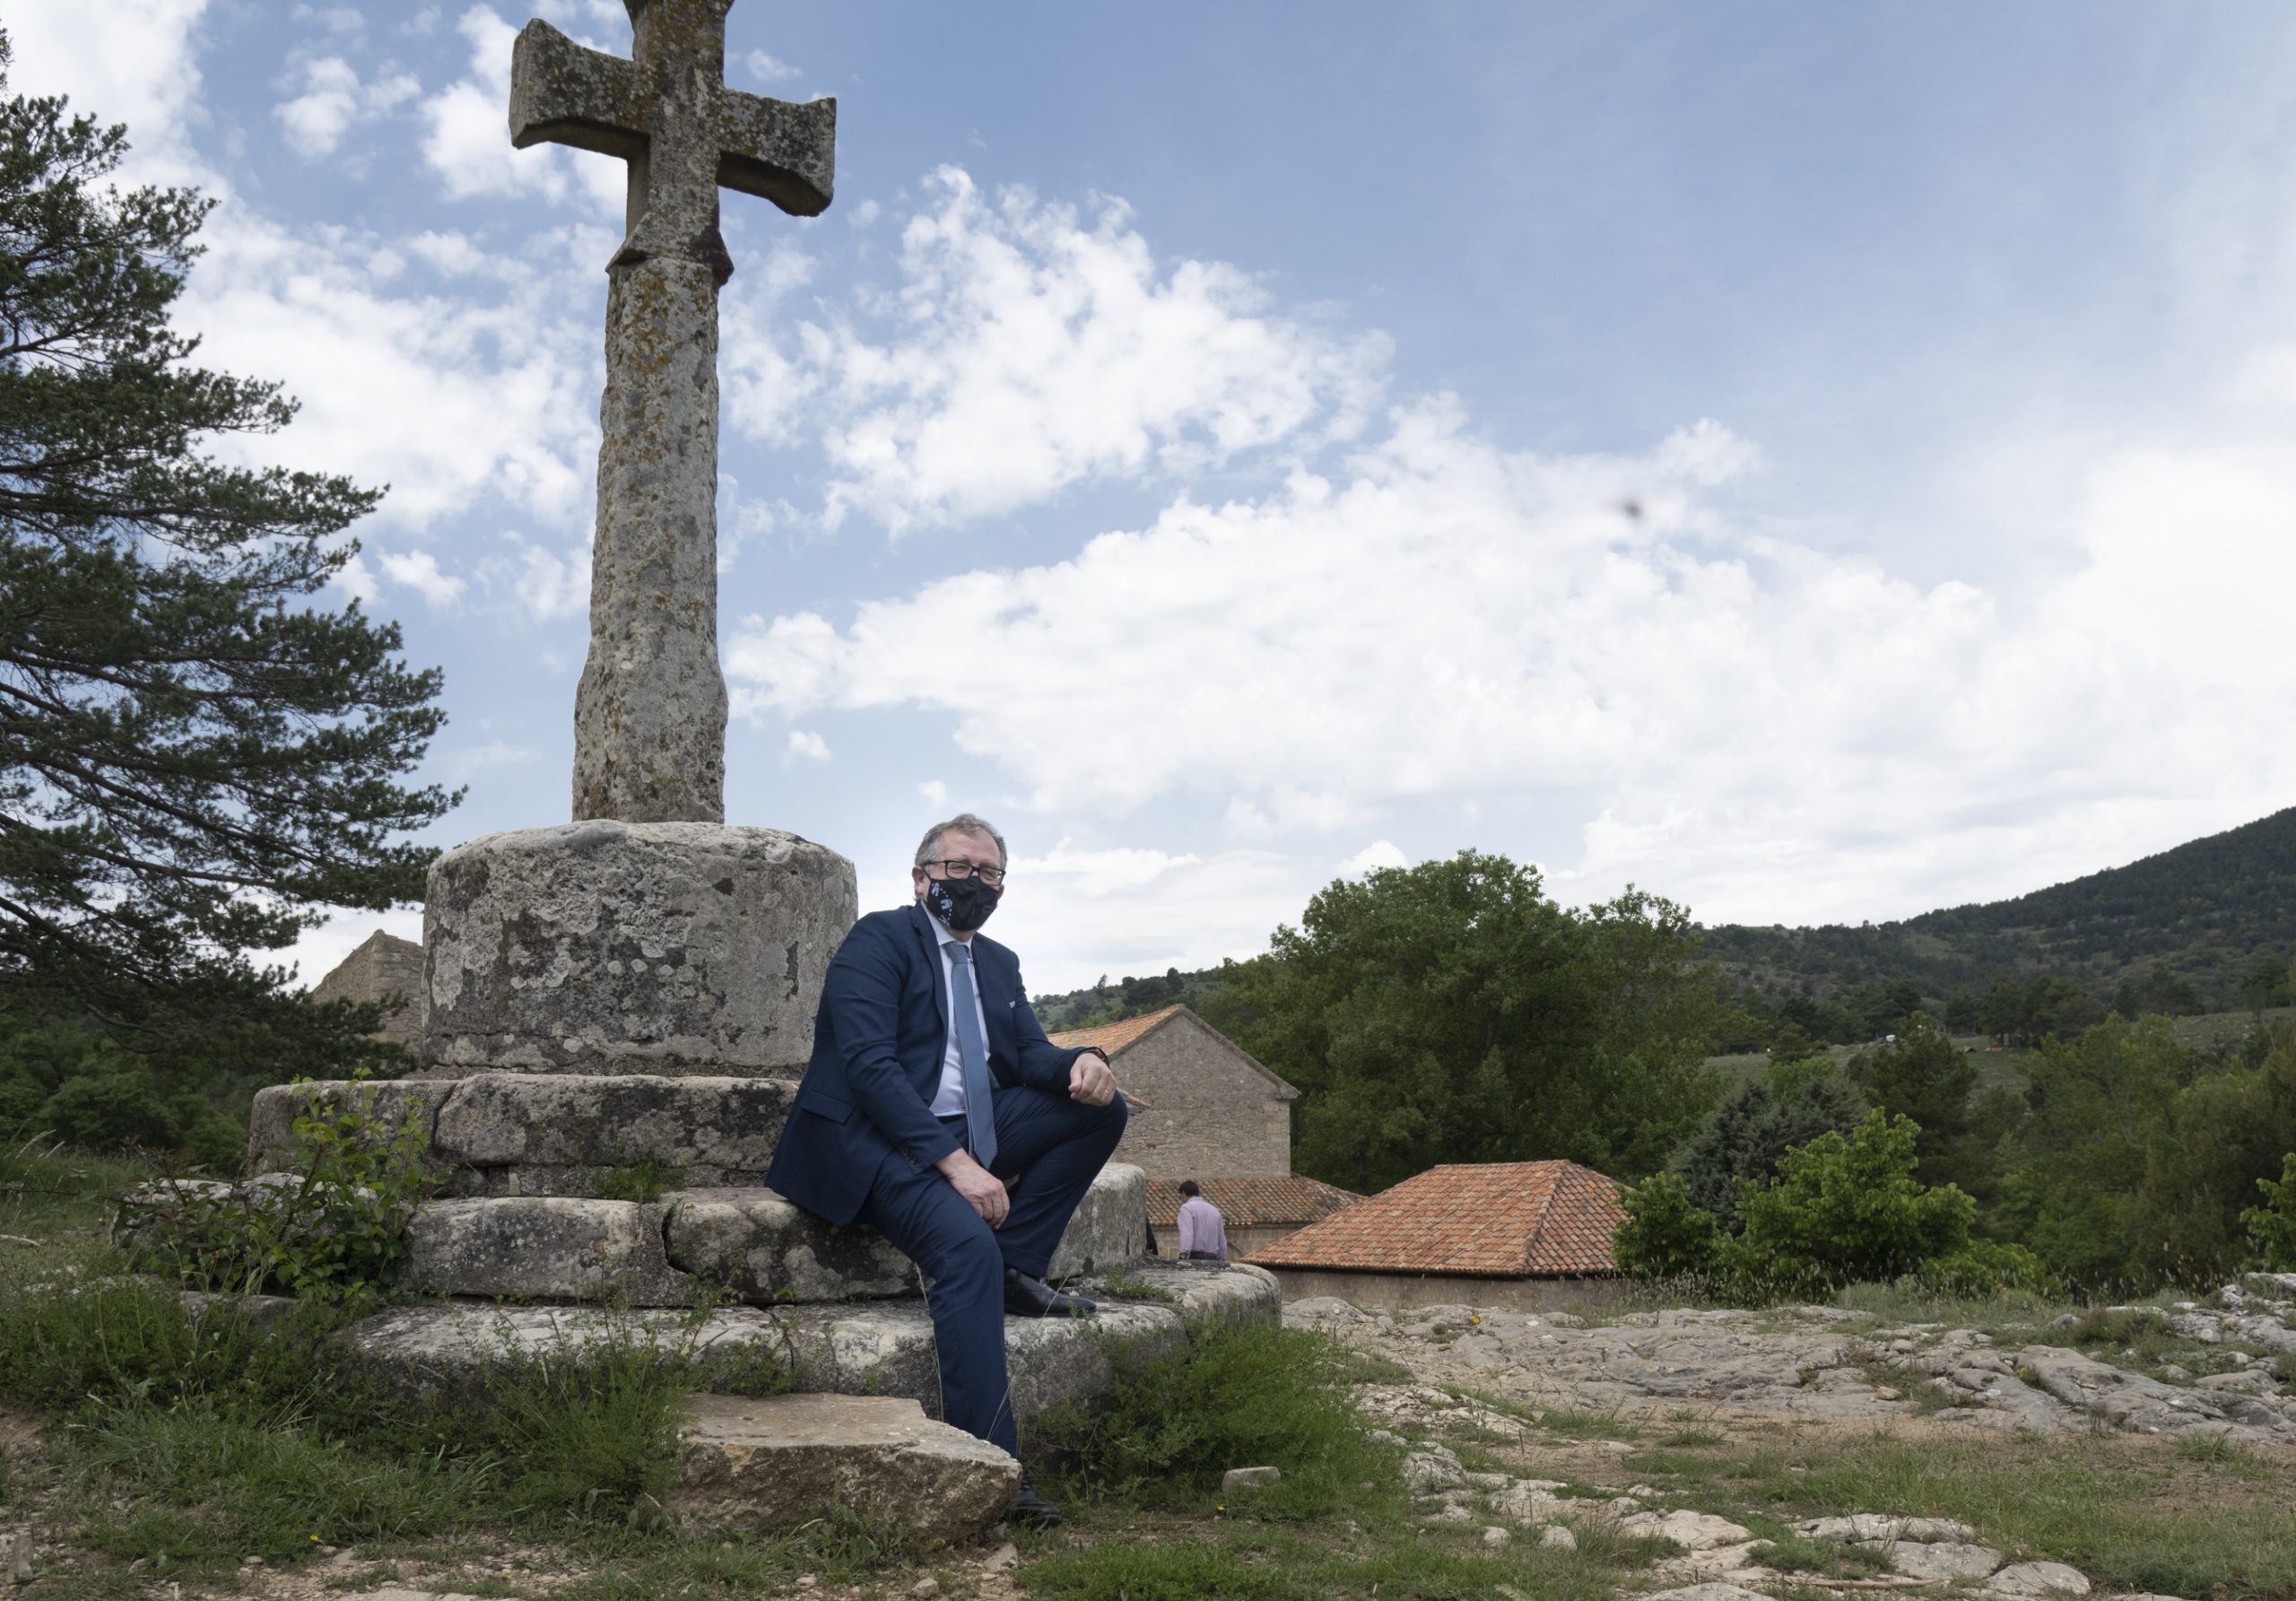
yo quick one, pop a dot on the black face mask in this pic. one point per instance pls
(963, 903)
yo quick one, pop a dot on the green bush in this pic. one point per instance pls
(334, 1229)
(1259, 1395)
(1846, 1211)
(2272, 1224)
(1666, 1235)
(1987, 1267)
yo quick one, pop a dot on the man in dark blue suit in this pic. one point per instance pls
(935, 1110)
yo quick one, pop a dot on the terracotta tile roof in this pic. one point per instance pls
(1498, 1219)
(1113, 1037)
(1250, 1202)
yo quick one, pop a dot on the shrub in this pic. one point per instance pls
(2272, 1224)
(1844, 1210)
(1666, 1235)
(1251, 1395)
(335, 1228)
(1987, 1267)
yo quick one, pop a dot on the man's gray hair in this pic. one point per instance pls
(963, 822)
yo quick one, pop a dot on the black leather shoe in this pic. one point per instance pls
(1026, 1297)
(1031, 1510)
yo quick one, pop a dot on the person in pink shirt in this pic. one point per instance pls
(1204, 1236)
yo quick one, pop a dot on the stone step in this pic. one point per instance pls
(883, 1348)
(767, 1466)
(748, 1243)
(541, 1134)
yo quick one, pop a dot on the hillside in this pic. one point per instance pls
(2209, 911)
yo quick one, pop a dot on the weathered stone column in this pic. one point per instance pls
(649, 717)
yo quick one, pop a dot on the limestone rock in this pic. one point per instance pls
(2133, 1402)
(1692, 1531)
(667, 948)
(712, 1128)
(1937, 1560)
(1712, 1589)
(875, 1348)
(1877, 1526)
(386, 1103)
(763, 1250)
(1249, 1478)
(1555, 1537)
(2038, 1579)
(769, 1465)
(1110, 1222)
(544, 1248)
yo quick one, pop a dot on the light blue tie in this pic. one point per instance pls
(972, 1053)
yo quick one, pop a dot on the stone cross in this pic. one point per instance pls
(649, 717)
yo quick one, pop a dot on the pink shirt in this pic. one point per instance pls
(1201, 1229)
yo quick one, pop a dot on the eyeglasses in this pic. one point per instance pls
(994, 877)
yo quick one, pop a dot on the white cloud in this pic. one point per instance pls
(540, 584)
(466, 144)
(129, 61)
(1769, 731)
(1378, 854)
(804, 746)
(935, 792)
(419, 571)
(1029, 349)
(466, 763)
(334, 100)
(768, 69)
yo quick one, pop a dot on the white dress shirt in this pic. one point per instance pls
(949, 1101)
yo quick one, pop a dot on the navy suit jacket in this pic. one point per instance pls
(879, 1040)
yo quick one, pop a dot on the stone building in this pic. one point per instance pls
(385, 967)
(1535, 1236)
(1204, 1109)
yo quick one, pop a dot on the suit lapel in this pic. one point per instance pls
(920, 922)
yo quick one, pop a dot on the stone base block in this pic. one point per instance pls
(760, 1248)
(884, 1349)
(544, 1248)
(1110, 1227)
(664, 948)
(523, 1134)
(768, 1467)
(748, 1242)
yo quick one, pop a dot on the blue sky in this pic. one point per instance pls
(1201, 438)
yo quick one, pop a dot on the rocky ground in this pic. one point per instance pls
(1504, 1377)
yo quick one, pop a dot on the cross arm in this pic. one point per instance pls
(566, 95)
(779, 150)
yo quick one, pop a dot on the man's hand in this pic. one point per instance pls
(1091, 1081)
(982, 1190)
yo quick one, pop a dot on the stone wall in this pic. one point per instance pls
(1243, 1240)
(383, 968)
(1206, 1109)
(1397, 1292)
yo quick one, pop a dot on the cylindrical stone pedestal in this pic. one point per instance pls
(662, 948)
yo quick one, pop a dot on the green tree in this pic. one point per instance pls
(1666, 1235)
(2266, 985)
(2272, 1224)
(1847, 1211)
(1450, 1011)
(1741, 1145)
(1925, 1076)
(2225, 1132)
(2095, 1106)
(195, 760)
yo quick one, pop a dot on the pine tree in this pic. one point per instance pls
(197, 758)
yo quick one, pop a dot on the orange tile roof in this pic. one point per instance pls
(1498, 1220)
(1113, 1037)
(1248, 1203)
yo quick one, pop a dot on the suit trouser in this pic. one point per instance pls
(1048, 1150)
